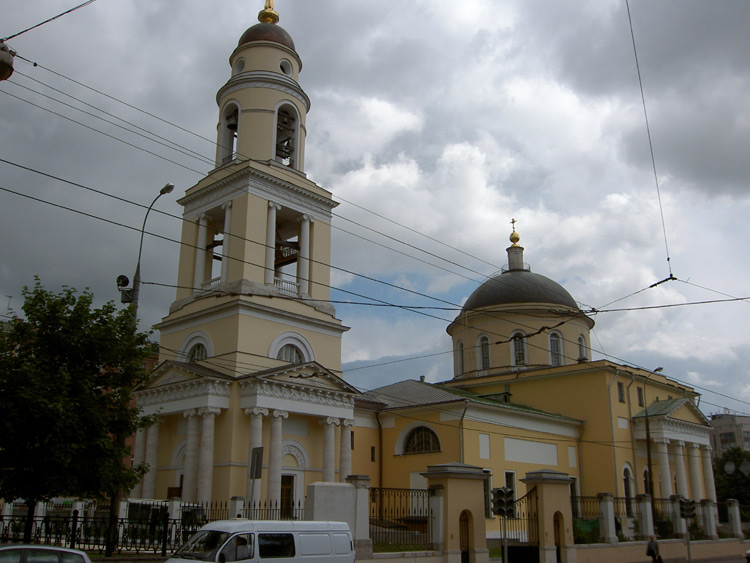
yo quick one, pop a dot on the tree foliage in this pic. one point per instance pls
(67, 371)
(732, 477)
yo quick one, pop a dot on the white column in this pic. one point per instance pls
(227, 207)
(679, 468)
(139, 454)
(329, 449)
(256, 441)
(708, 474)
(696, 491)
(274, 458)
(345, 455)
(190, 480)
(665, 477)
(200, 253)
(303, 262)
(206, 458)
(152, 457)
(271, 242)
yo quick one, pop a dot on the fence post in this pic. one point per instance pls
(437, 498)
(361, 531)
(607, 533)
(236, 507)
(645, 517)
(74, 530)
(165, 533)
(680, 526)
(735, 521)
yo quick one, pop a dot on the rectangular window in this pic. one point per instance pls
(372, 453)
(620, 392)
(727, 440)
(351, 440)
(640, 397)
(746, 439)
(484, 446)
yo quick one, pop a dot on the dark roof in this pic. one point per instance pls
(267, 32)
(519, 286)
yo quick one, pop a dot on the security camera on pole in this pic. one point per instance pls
(503, 506)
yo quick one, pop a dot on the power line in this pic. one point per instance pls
(49, 20)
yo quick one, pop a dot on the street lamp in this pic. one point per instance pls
(130, 294)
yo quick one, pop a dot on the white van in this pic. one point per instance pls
(226, 541)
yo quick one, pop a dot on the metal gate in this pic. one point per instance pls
(522, 529)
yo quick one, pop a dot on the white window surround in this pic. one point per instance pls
(285, 66)
(197, 337)
(406, 430)
(518, 340)
(292, 338)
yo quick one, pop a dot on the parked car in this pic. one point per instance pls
(41, 554)
(284, 541)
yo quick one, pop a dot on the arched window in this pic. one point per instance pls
(290, 354)
(460, 358)
(197, 353)
(582, 355)
(421, 440)
(555, 349)
(228, 126)
(287, 133)
(484, 353)
(518, 349)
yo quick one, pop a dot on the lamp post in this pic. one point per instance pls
(130, 295)
(648, 447)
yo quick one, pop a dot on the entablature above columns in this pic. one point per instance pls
(673, 431)
(185, 396)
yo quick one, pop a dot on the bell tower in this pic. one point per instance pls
(253, 280)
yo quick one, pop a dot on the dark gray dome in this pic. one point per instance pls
(267, 32)
(519, 286)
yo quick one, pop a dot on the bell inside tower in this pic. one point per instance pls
(286, 136)
(228, 128)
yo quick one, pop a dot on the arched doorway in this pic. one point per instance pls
(464, 535)
(559, 535)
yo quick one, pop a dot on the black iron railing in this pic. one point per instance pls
(400, 519)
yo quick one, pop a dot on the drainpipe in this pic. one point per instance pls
(380, 450)
(612, 427)
(461, 432)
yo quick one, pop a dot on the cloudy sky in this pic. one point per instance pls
(434, 123)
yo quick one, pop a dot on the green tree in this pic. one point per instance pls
(67, 371)
(732, 477)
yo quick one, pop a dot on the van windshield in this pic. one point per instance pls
(203, 545)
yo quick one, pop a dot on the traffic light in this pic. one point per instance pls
(502, 501)
(687, 509)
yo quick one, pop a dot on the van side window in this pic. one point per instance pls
(238, 548)
(275, 545)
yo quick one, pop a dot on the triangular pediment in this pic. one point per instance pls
(174, 373)
(688, 412)
(310, 375)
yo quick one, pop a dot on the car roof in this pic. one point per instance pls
(245, 525)
(45, 547)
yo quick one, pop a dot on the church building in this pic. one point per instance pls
(251, 349)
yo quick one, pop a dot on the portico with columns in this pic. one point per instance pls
(680, 449)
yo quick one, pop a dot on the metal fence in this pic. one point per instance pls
(400, 519)
(266, 510)
(522, 525)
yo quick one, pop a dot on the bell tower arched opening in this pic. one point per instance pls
(287, 136)
(226, 142)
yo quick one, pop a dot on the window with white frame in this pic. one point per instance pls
(555, 349)
(518, 349)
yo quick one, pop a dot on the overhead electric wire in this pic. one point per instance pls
(650, 142)
(48, 20)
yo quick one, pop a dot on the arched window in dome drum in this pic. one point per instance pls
(460, 358)
(582, 349)
(555, 349)
(484, 353)
(518, 350)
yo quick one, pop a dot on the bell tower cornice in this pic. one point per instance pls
(263, 79)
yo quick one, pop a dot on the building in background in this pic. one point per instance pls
(729, 431)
